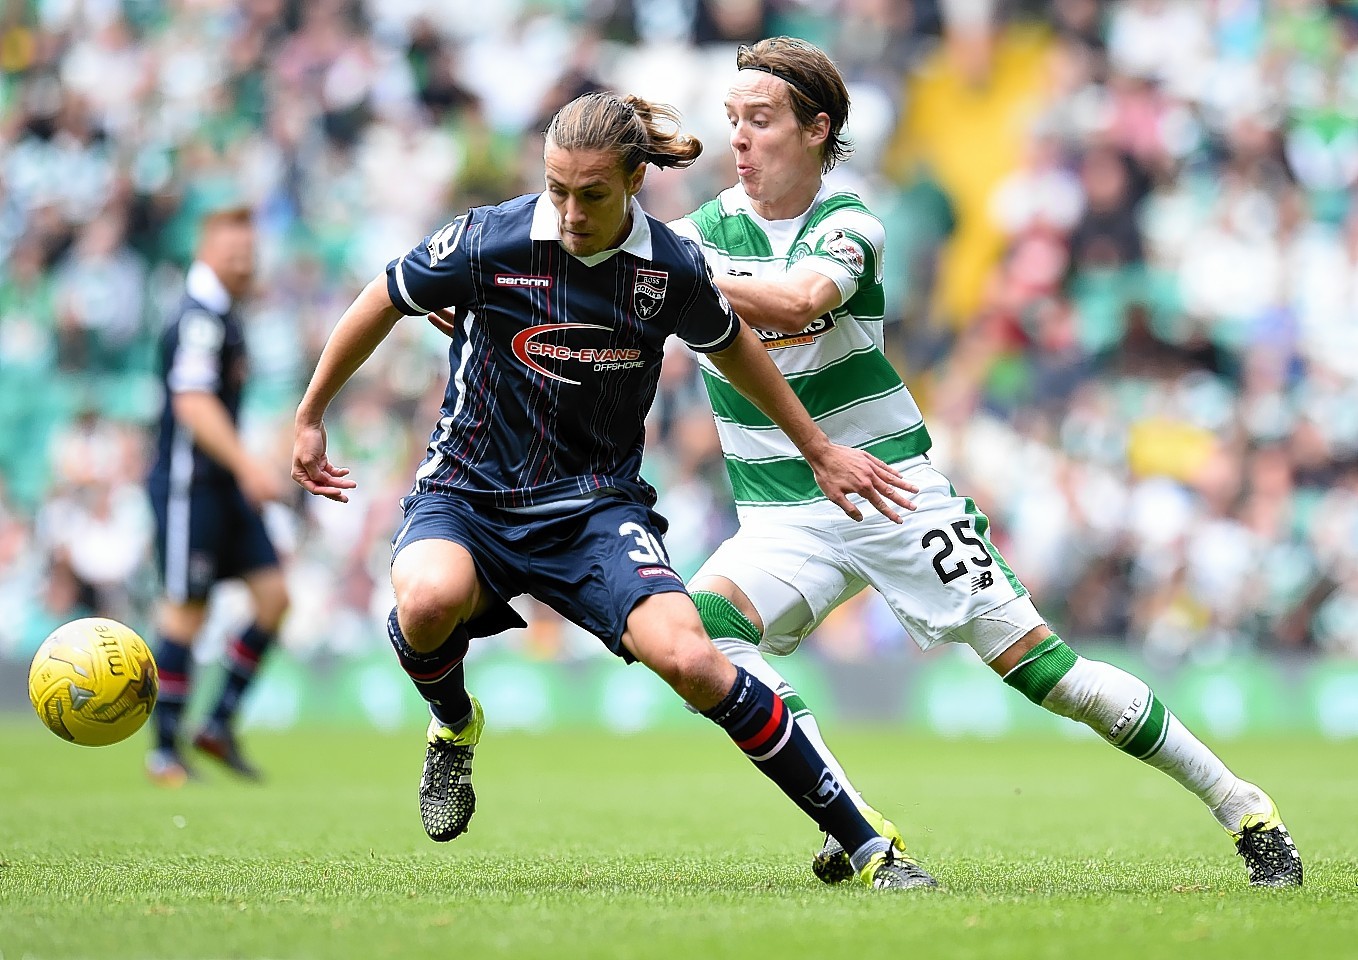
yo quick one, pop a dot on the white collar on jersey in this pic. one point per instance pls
(204, 286)
(735, 200)
(638, 242)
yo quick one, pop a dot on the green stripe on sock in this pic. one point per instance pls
(795, 704)
(1146, 741)
(722, 620)
(1037, 651)
(1037, 674)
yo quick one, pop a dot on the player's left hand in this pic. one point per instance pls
(841, 471)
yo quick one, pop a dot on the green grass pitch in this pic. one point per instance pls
(655, 846)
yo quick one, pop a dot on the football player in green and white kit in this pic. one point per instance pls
(802, 264)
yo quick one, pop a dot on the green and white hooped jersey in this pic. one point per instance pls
(835, 366)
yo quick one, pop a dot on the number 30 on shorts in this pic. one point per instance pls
(649, 548)
(961, 530)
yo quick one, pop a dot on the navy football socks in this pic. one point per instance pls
(243, 655)
(174, 664)
(759, 723)
(438, 675)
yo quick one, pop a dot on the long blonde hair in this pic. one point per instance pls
(637, 130)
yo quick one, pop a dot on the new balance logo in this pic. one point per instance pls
(981, 581)
(825, 790)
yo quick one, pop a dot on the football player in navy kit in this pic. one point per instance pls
(206, 491)
(531, 482)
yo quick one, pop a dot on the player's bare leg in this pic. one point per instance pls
(1124, 711)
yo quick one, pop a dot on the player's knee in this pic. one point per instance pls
(428, 609)
(688, 660)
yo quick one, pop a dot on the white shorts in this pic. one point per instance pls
(937, 571)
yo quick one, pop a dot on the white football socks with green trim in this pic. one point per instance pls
(1123, 710)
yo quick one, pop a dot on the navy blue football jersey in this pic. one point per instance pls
(555, 359)
(200, 349)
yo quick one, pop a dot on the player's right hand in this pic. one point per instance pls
(312, 468)
(841, 471)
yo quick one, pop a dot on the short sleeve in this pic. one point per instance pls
(846, 248)
(708, 325)
(435, 274)
(195, 361)
(686, 228)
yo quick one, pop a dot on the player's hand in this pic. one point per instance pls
(258, 483)
(312, 468)
(444, 320)
(841, 471)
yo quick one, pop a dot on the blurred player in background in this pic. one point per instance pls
(563, 301)
(207, 491)
(802, 263)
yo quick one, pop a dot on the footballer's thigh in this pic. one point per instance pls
(940, 574)
(192, 532)
(608, 572)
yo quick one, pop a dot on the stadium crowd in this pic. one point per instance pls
(1123, 274)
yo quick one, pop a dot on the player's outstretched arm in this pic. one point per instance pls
(839, 470)
(786, 305)
(364, 325)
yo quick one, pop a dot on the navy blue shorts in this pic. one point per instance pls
(592, 564)
(206, 533)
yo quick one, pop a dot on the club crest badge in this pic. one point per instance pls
(648, 293)
(846, 250)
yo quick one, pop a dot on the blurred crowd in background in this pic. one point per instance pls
(1122, 269)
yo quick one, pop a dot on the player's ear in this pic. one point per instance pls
(635, 180)
(819, 129)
